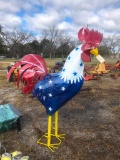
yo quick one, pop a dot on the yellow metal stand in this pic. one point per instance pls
(52, 137)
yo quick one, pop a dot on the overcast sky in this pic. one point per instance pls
(69, 15)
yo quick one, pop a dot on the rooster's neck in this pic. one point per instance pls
(73, 67)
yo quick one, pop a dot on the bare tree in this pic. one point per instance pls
(16, 39)
(112, 44)
(1, 29)
(53, 35)
(65, 45)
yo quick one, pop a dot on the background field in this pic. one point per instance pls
(90, 121)
(51, 62)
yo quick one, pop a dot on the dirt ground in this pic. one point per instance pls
(90, 122)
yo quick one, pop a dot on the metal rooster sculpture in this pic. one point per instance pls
(56, 89)
(32, 68)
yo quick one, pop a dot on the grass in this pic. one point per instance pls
(94, 61)
(51, 62)
(8, 60)
(4, 65)
(1, 65)
(96, 138)
(116, 110)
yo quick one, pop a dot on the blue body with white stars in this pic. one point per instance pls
(57, 89)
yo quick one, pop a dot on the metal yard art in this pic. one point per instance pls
(54, 90)
(31, 68)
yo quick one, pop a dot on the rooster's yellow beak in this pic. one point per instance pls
(94, 51)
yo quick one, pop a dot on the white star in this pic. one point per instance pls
(40, 87)
(44, 97)
(38, 94)
(50, 82)
(63, 88)
(50, 109)
(50, 95)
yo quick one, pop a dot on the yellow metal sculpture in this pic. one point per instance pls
(48, 136)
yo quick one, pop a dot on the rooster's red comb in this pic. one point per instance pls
(90, 37)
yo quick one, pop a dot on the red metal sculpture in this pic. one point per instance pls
(32, 68)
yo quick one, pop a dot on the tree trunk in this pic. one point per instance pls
(50, 55)
(17, 56)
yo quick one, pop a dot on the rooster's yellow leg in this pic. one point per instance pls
(50, 137)
(56, 127)
(49, 130)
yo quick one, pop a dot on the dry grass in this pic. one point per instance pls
(1, 65)
(4, 65)
(90, 121)
(51, 62)
(116, 111)
(2, 77)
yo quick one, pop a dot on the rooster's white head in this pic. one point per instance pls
(74, 65)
